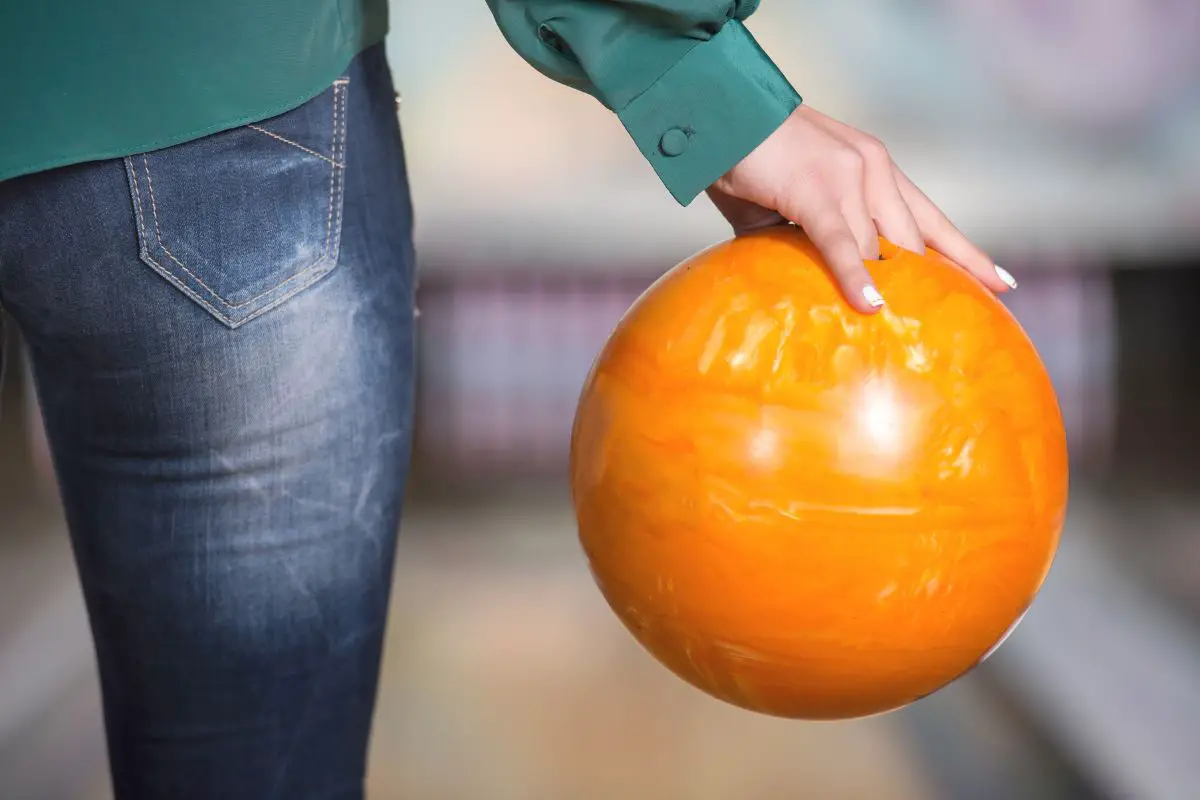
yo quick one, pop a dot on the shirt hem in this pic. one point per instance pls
(227, 124)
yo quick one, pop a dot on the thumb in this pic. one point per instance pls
(744, 215)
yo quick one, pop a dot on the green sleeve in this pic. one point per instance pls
(685, 77)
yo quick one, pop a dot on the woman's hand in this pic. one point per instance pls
(841, 187)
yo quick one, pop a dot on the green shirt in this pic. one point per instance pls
(92, 80)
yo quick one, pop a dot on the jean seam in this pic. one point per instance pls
(313, 270)
(296, 145)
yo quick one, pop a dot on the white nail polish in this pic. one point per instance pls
(872, 296)
(1006, 276)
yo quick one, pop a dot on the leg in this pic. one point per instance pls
(230, 417)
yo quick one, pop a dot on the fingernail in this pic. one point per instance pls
(872, 296)
(1006, 276)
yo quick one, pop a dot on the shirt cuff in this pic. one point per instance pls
(709, 111)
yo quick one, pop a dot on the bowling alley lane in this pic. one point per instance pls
(507, 677)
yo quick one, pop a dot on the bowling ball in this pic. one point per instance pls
(810, 512)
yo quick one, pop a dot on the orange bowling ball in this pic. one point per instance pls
(806, 511)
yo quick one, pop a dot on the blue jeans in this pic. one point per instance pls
(222, 337)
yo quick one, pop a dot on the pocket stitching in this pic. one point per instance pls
(145, 251)
(338, 148)
(296, 145)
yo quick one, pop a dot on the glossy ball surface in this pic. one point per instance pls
(806, 511)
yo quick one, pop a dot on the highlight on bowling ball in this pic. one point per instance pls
(806, 511)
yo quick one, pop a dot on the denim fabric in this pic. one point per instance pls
(222, 336)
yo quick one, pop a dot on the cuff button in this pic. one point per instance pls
(673, 143)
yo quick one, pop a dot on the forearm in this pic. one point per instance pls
(686, 79)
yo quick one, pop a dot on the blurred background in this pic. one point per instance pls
(1063, 135)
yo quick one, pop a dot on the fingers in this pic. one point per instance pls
(831, 233)
(939, 232)
(841, 186)
(857, 213)
(886, 205)
(830, 204)
(862, 226)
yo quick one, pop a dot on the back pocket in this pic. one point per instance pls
(242, 220)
